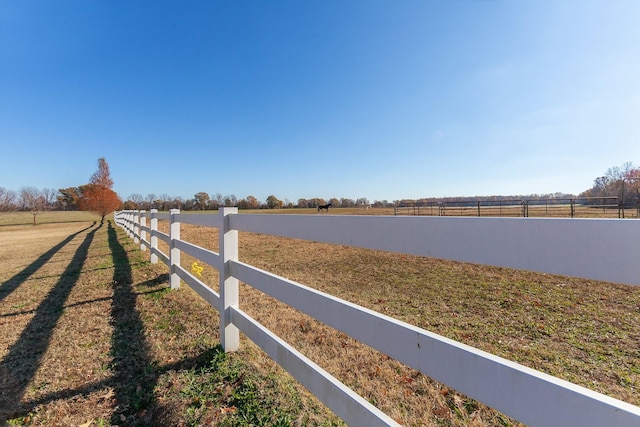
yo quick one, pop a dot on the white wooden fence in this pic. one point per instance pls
(601, 249)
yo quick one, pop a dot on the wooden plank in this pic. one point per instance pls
(201, 288)
(527, 395)
(599, 249)
(205, 255)
(343, 401)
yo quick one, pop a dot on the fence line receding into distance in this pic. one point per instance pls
(600, 249)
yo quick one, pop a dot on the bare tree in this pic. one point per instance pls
(50, 197)
(32, 200)
(165, 201)
(150, 199)
(137, 199)
(7, 200)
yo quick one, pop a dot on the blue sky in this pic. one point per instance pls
(303, 99)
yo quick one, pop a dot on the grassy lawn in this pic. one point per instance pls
(586, 332)
(90, 335)
(107, 343)
(46, 217)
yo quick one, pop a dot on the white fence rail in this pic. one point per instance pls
(598, 249)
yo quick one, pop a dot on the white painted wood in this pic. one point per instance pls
(205, 255)
(600, 249)
(162, 257)
(200, 287)
(343, 401)
(143, 230)
(164, 216)
(136, 227)
(163, 236)
(229, 293)
(154, 236)
(207, 220)
(532, 397)
(174, 252)
(547, 245)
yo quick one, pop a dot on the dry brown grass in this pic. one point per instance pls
(89, 335)
(132, 353)
(583, 331)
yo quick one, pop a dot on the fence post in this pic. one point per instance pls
(131, 228)
(573, 207)
(154, 236)
(136, 226)
(143, 232)
(174, 252)
(229, 295)
(126, 223)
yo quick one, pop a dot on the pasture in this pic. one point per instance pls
(113, 346)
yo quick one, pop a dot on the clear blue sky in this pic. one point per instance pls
(301, 99)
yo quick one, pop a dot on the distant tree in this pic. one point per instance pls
(137, 199)
(362, 201)
(230, 200)
(273, 202)
(201, 199)
(315, 202)
(129, 205)
(334, 202)
(164, 202)
(347, 203)
(176, 203)
(250, 203)
(150, 199)
(7, 200)
(622, 182)
(50, 197)
(97, 196)
(68, 198)
(32, 200)
(302, 203)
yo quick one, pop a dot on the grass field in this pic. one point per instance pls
(90, 335)
(46, 217)
(109, 344)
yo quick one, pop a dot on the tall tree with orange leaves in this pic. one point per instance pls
(97, 196)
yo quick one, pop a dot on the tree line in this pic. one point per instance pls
(203, 201)
(619, 181)
(97, 196)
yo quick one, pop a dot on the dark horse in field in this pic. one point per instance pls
(324, 207)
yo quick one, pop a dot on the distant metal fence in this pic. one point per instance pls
(572, 207)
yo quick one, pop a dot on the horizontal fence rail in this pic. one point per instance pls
(595, 249)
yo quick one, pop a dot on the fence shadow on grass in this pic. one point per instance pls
(21, 363)
(135, 375)
(13, 283)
